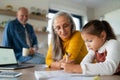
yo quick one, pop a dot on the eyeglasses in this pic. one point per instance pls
(59, 28)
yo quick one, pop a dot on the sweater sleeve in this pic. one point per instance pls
(109, 66)
(49, 59)
(76, 47)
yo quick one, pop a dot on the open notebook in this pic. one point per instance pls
(8, 59)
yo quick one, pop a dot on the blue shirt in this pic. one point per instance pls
(14, 36)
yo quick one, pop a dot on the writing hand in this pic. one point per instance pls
(71, 68)
(56, 65)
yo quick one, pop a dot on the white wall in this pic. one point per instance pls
(112, 5)
(114, 19)
(90, 13)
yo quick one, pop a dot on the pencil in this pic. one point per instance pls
(67, 57)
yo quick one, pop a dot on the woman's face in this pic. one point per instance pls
(93, 42)
(62, 27)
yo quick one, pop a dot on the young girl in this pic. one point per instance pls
(103, 57)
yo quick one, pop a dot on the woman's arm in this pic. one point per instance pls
(76, 47)
(49, 60)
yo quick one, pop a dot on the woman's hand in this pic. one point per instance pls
(56, 65)
(69, 61)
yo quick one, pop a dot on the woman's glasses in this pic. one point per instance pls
(59, 28)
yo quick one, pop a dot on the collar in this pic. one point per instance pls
(103, 48)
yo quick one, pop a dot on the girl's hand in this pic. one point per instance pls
(71, 68)
(66, 67)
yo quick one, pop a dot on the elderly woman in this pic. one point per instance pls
(65, 39)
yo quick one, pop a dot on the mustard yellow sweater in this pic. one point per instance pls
(75, 46)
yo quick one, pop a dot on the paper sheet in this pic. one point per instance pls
(71, 78)
(60, 74)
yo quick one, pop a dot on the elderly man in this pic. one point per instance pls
(18, 34)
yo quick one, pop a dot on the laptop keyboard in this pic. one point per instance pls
(9, 74)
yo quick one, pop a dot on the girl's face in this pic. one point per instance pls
(62, 27)
(93, 42)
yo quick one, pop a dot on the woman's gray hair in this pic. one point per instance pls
(57, 48)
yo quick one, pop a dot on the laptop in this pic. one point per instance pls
(8, 59)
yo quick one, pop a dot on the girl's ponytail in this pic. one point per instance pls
(109, 31)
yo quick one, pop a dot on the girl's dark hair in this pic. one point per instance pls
(57, 47)
(95, 27)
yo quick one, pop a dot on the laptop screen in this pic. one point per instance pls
(7, 56)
